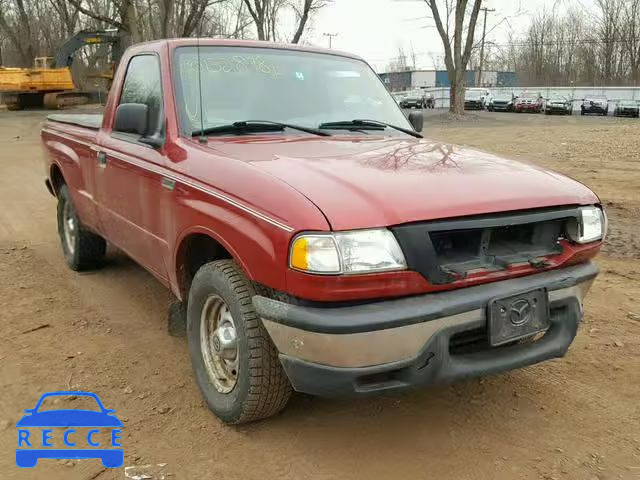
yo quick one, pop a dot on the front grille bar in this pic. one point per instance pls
(417, 243)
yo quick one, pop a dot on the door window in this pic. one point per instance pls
(142, 85)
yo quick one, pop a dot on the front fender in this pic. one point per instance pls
(258, 247)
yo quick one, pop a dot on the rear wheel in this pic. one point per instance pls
(82, 249)
(235, 363)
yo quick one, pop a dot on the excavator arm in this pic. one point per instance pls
(64, 55)
(52, 86)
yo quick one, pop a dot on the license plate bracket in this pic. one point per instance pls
(517, 316)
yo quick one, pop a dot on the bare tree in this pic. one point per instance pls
(574, 48)
(267, 16)
(399, 63)
(16, 25)
(458, 45)
(631, 35)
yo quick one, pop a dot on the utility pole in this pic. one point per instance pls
(330, 35)
(484, 32)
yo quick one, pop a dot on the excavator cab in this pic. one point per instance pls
(43, 62)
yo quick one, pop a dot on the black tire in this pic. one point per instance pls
(85, 250)
(262, 388)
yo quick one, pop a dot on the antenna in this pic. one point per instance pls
(202, 138)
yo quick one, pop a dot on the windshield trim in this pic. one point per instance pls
(178, 95)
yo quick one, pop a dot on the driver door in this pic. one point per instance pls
(129, 174)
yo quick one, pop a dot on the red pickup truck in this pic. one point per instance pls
(313, 239)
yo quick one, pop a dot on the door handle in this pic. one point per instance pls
(102, 159)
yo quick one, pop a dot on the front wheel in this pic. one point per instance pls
(234, 361)
(82, 249)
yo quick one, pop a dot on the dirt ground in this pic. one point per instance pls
(105, 331)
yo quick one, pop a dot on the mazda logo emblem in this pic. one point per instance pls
(520, 312)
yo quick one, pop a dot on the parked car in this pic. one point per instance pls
(501, 102)
(558, 104)
(473, 100)
(413, 99)
(329, 248)
(595, 104)
(627, 108)
(528, 102)
(398, 97)
(484, 93)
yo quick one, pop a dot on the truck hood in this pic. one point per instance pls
(360, 183)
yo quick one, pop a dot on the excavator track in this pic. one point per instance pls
(60, 100)
(12, 101)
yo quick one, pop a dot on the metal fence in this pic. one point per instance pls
(575, 94)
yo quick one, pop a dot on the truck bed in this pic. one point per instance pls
(86, 120)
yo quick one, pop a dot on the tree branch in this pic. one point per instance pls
(97, 16)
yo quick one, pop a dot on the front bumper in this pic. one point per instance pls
(594, 109)
(528, 108)
(397, 344)
(557, 109)
(627, 113)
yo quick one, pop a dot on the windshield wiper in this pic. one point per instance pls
(358, 124)
(255, 126)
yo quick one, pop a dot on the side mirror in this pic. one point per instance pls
(417, 121)
(132, 118)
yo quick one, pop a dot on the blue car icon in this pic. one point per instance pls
(68, 418)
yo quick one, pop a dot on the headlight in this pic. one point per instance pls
(591, 225)
(358, 251)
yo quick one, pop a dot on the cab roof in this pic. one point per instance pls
(173, 43)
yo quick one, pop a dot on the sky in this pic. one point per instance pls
(374, 29)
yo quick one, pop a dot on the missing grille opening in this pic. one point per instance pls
(461, 251)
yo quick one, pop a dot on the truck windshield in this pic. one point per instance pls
(277, 85)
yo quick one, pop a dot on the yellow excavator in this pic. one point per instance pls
(49, 83)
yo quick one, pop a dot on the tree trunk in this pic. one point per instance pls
(304, 16)
(457, 93)
(457, 51)
(166, 18)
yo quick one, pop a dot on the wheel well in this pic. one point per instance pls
(57, 180)
(194, 251)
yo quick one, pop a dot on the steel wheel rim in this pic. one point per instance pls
(219, 344)
(69, 227)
